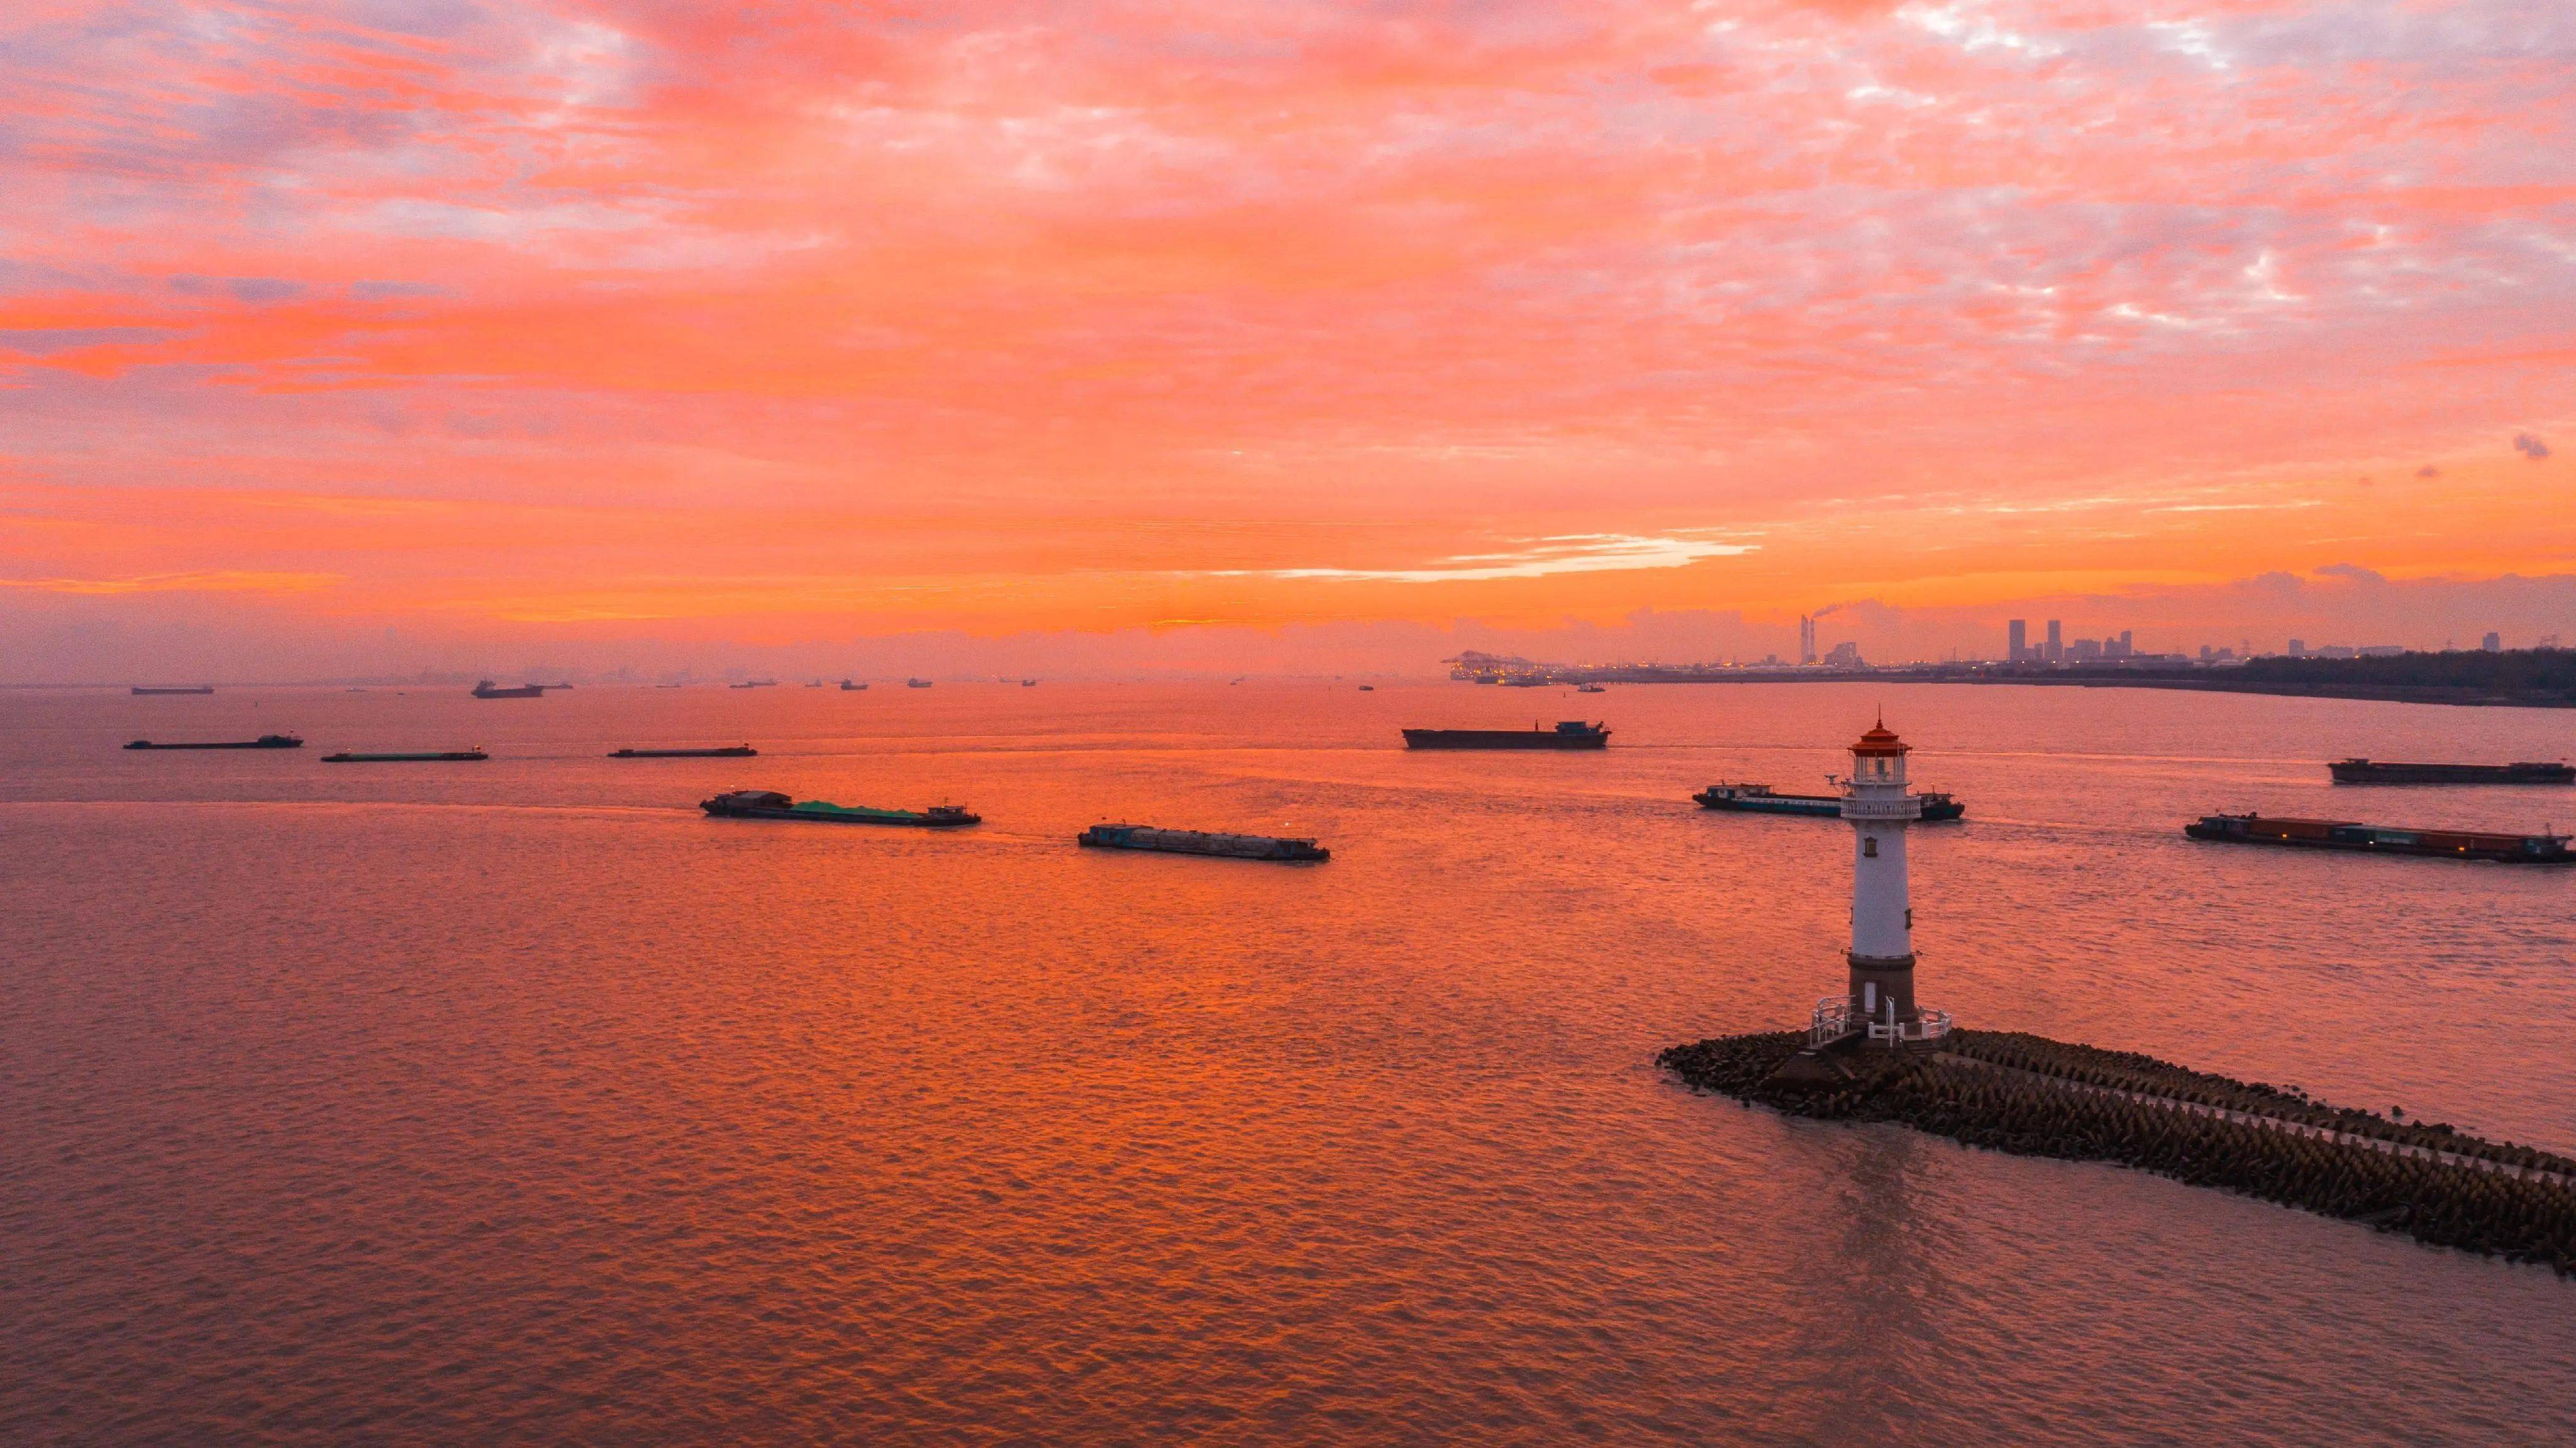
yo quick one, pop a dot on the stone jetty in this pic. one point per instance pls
(2037, 1097)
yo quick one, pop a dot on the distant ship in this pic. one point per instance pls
(426, 756)
(1762, 799)
(1197, 842)
(1525, 681)
(729, 751)
(1368, 688)
(1028, 683)
(769, 804)
(1590, 689)
(489, 690)
(2369, 771)
(852, 684)
(1568, 734)
(755, 684)
(2255, 829)
(174, 688)
(916, 683)
(265, 741)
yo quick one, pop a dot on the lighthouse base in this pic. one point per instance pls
(1882, 993)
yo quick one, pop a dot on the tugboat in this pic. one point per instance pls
(2371, 771)
(730, 751)
(769, 804)
(489, 690)
(1199, 842)
(265, 741)
(2256, 829)
(1568, 734)
(1763, 799)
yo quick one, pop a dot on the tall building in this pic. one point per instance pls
(2492, 643)
(1845, 655)
(2017, 641)
(1806, 639)
(2298, 648)
(2128, 645)
(2054, 650)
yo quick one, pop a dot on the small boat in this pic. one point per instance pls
(755, 684)
(2372, 771)
(852, 685)
(729, 751)
(174, 688)
(916, 683)
(489, 690)
(1368, 688)
(265, 741)
(1199, 842)
(1568, 734)
(1763, 799)
(1028, 683)
(2256, 829)
(1590, 689)
(769, 804)
(427, 756)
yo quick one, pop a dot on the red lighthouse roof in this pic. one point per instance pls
(1880, 740)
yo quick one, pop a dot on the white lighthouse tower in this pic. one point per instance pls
(1882, 940)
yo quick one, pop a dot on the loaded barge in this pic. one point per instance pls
(2255, 829)
(174, 688)
(489, 690)
(1568, 734)
(769, 804)
(425, 756)
(265, 741)
(1762, 799)
(1198, 842)
(729, 751)
(2373, 771)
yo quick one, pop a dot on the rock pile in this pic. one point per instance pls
(2056, 1099)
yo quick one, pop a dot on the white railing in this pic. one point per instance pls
(1831, 1022)
(1929, 1026)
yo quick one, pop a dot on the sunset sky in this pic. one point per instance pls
(413, 333)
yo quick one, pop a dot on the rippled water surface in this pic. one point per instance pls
(519, 1102)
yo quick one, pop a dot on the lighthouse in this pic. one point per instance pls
(1875, 800)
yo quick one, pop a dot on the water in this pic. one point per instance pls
(517, 1101)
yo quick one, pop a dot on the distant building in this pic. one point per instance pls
(2083, 650)
(2119, 648)
(2298, 648)
(1806, 639)
(2053, 651)
(1845, 655)
(2016, 641)
(2493, 643)
(2382, 651)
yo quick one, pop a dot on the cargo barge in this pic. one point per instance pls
(2373, 771)
(174, 688)
(489, 690)
(2255, 829)
(852, 686)
(1568, 734)
(729, 751)
(265, 741)
(1198, 842)
(1762, 799)
(769, 804)
(421, 756)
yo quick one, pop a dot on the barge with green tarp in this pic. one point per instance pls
(2305, 834)
(727, 751)
(1763, 799)
(769, 804)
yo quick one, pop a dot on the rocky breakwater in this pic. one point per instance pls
(2038, 1097)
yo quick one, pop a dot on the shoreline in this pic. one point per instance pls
(2032, 1096)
